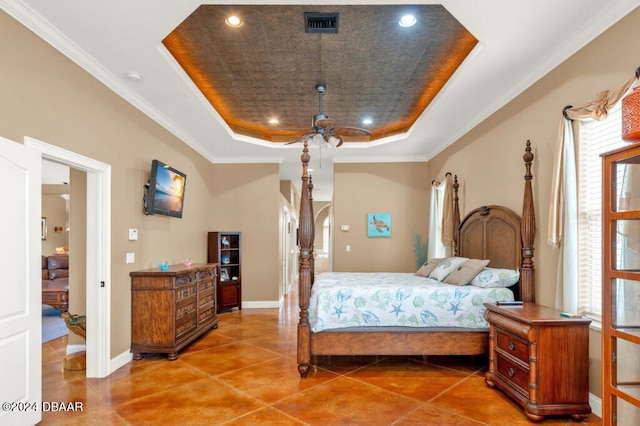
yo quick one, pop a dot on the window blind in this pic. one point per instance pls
(595, 138)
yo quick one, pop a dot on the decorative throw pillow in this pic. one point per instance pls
(495, 277)
(446, 266)
(464, 273)
(429, 266)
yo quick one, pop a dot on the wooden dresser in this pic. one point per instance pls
(170, 309)
(539, 359)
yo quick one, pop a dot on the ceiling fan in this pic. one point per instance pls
(323, 129)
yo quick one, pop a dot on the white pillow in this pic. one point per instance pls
(447, 266)
(495, 277)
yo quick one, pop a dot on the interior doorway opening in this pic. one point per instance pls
(98, 251)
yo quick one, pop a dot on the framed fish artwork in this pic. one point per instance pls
(379, 224)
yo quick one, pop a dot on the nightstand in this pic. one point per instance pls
(539, 359)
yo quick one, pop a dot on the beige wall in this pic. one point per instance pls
(247, 198)
(78, 247)
(56, 210)
(401, 189)
(606, 63)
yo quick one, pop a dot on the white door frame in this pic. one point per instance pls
(98, 258)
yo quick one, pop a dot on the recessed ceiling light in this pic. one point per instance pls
(274, 121)
(233, 21)
(367, 121)
(407, 21)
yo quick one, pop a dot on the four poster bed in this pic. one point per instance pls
(489, 232)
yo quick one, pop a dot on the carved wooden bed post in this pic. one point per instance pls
(312, 237)
(528, 231)
(456, 215)
(305, 231)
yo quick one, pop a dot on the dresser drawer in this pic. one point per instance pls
(185, 326)
(512, 345)
(185, 293)
(185, 308)
(513, 373)
(205, 285)
(205, 297)
(186, 279)
(206, 312)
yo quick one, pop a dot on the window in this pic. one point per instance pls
(595, 137)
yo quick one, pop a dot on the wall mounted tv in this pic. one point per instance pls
(165, 190)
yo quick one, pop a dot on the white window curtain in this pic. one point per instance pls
(563, 213)
(441, 219)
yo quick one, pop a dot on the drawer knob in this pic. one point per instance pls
(511, 372)
(511, 346)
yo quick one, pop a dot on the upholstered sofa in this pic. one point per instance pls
(55, 281)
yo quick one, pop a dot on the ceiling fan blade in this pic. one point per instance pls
(352, 131)
(302, 138)
(325, 123)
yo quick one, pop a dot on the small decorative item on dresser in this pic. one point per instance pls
(164, 266)
(187, 262)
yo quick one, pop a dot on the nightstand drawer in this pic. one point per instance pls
(513, 373)
(512, 345)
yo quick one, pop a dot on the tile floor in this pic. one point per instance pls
(245, 373)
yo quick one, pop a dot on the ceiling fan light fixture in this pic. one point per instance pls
(333, 142)
(274, 121)
(233, 21)
(407, 20)
(367, 121)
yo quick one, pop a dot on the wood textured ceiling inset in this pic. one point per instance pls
(269, 67)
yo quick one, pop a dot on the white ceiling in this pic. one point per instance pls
(519, 42)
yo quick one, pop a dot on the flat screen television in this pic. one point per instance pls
(165, 190)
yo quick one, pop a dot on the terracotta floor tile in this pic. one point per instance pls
(205, 402)
(283, 344)
(491, 405)
(129, 383)
(259, 381)
(248, 330)
(345, 401)
(265, 417)
(409, 378)
(429, 415)
(221, 359)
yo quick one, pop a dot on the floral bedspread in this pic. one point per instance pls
(373, 299)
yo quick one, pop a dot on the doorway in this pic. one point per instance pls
(98, 252)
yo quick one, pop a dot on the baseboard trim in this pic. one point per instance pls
(261, 304)
(123, 359)
(596, 405)
(71, 349)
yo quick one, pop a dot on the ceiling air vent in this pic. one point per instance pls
(316, 22)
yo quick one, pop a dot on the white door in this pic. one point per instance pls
(20, 285)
